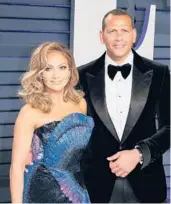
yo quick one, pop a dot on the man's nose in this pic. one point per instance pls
(118, 35)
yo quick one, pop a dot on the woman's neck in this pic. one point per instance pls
(57, 98)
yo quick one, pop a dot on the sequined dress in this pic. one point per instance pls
(56, 176)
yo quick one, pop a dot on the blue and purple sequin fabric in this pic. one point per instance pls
(56, 176)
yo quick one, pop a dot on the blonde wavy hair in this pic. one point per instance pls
(32, 86)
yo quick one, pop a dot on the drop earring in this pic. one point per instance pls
(41, 76)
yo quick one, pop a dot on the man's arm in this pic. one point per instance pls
(154, 146)
(123, 162)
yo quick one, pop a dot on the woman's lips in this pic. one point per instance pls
(56, 82)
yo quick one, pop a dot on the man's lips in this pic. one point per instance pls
(119, 46)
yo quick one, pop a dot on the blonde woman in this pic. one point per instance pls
(54, 124)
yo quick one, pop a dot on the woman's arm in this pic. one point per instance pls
(23, 132)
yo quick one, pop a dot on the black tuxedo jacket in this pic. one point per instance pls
(150, 96)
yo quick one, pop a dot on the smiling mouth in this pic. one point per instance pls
(119, 46)
(56, 82)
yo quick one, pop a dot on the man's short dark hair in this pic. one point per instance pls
(117, 12)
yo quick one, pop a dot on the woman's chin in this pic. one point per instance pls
(55, 90)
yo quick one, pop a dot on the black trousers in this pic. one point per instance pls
(122, 192)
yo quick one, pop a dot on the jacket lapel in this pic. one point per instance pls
(96, 86)
(140, 89)
(142, 77)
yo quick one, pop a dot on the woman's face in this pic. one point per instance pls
(57, 73)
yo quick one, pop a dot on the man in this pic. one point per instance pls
(124, 92)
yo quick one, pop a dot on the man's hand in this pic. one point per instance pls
(123, 162)
(29, 160)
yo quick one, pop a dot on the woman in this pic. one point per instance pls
(53, 123)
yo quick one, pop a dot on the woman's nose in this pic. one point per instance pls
(55, 74)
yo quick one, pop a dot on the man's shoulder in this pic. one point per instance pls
(92, 67)
(153, 63)
(86, 67)
(150, 64)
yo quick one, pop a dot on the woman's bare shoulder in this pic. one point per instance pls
(27, 113)
(83, 105)
(27, 109)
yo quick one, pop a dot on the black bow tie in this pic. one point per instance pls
(124, 69)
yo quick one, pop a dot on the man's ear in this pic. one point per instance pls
(134, 35)
(101, 37)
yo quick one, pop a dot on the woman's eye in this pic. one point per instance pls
(47, 69)
(63, 67)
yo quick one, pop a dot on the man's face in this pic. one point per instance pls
(118, 36)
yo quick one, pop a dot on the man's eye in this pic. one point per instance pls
(124, 30)
(112, 31)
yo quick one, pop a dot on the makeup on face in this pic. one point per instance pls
(57, 72)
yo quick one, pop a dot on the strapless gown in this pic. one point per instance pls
(56, 176)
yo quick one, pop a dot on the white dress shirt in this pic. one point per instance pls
(118, 94)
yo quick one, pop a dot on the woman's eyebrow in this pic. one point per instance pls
(49, 65)
(62, 64)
